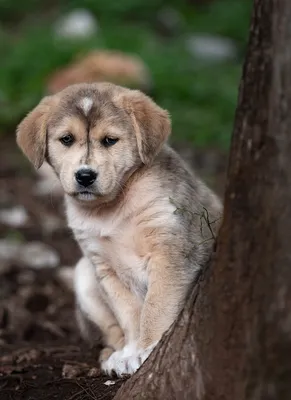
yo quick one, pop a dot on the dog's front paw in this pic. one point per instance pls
(126, 361)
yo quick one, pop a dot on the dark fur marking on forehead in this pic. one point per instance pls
(102, 107)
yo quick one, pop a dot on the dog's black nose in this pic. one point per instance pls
(85, 176)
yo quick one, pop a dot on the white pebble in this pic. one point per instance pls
(15, 217)
(109, 383)
(211, 48)
(38, 255)
(79, 23)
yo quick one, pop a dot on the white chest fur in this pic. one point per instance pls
(125, 237)
(111, 239)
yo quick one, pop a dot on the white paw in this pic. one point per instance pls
(126, 361)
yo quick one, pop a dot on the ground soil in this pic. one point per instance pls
(41, 353)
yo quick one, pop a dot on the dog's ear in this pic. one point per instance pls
(31, 132)
(151, 123)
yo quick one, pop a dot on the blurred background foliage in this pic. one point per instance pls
(199, 91)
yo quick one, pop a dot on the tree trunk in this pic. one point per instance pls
(233, 338)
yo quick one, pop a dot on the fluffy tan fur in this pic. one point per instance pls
(145, 226)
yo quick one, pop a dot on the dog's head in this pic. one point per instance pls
(94, 136)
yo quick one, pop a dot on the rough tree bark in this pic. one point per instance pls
(233, 338)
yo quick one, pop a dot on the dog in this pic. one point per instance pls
(103, 65)
(144, 222)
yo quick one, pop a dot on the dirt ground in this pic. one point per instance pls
(41, 353)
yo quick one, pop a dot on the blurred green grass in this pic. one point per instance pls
(200, 96)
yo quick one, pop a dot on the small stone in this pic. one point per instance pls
(71, 371)
(94, 372)
(15, 217)
(79, 23)
(211, 48)
(109, 383)
(38, 255)
(28, 356)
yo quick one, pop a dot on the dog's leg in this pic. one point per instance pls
(127, 308)
(166, 295)
(124, 304)
(165, 298)
(93, 308)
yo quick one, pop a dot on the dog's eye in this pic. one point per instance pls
(67, 140)
(107, 141)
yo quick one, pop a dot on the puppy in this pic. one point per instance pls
(144, 222)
